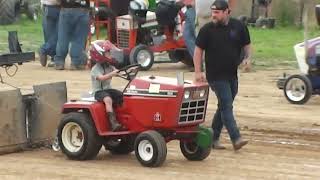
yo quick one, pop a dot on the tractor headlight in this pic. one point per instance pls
(187, 94)
(202, 93)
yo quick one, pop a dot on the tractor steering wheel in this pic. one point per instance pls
(129, 72)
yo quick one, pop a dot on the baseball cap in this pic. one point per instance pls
(219, 5)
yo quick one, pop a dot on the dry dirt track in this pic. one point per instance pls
(284, 138)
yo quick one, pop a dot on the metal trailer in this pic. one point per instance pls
(27, 119)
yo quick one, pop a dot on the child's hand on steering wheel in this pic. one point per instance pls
(133, 69)
(115, 72)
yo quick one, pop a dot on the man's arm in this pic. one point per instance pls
(247, 57)
(247, 51)
(197, 61)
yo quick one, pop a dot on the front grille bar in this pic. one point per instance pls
(123, 38)
(192, 111)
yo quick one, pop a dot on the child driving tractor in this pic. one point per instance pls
(101, 75)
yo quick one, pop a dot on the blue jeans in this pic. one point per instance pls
(73, 30)
(50, 29)
(226, 91)
(189, 33)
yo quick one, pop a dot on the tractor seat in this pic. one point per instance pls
(87, 96)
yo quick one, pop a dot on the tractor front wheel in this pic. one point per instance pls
(77, 137)
(298, 89)
(150, 148)
(143, 56)
(193, 152)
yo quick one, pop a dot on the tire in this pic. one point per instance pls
(244, 19)
(120, 146)
(32, 12)
(262, 23)
(173, 56)
(143, 56)
(297, 89)
(270, 23)
(88, 146)
(194, 152)
(150, 149)
(181, 56)
(8, 11)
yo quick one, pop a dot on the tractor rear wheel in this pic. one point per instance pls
(150, 149)
(32, 12)
(193, 152)
(9, 10)
(181, 55)
(143, 56)
(78, 137)
(298, 89)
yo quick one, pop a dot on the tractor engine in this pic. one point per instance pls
(129, 34)
(146, 27)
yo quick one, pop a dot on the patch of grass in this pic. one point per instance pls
(274, 47)
(29, 33)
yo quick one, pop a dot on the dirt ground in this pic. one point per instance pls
(284, 138)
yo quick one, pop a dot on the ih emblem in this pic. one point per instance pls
(157, 117)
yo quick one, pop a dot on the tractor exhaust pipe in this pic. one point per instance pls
(180, 78)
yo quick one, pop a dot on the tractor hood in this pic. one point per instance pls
(159, 86)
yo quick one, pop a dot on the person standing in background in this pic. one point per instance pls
(73, 30)
(189, 27)
(50, 21)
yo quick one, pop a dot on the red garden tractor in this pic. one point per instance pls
(155, 110)
(142, 42)
(141, 33)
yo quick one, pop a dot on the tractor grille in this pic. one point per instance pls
(192, 111)
(123, 38)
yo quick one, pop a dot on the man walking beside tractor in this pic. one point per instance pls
(222, 40)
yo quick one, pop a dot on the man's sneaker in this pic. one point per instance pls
(239, 144)
(59, 67)
(43, 59)
(77, 67)
(217, 145)
(51, 64)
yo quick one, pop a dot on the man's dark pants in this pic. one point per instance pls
(73, 31)
(226, 91)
